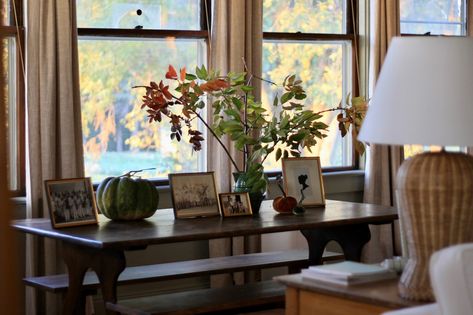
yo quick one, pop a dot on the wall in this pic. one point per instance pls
(346, 186)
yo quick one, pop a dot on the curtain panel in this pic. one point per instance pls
(54, 140)
(383, 161)
(236, 41)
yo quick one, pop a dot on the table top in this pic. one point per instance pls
(163, 228)
(383, 293)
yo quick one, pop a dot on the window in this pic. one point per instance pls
(11, 32)
(124, 43)
(313, 39)
(435, 17)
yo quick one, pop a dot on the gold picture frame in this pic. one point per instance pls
(71, 202)
(194, 195)
(303, 179)
(235, 204)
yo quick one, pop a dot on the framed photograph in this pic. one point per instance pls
(71, 202)
(194, 195)
(235, 204)
(303, 180)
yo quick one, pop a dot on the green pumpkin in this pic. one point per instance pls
(125, 198)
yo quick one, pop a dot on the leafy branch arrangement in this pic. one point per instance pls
(236, 113)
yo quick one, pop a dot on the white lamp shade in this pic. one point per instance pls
(424, 94)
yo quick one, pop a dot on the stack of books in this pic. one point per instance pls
(347, 273)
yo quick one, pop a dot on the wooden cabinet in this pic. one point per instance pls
(307, 297)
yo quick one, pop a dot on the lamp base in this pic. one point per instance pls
(435, 199)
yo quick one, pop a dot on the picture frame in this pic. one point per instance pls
(304, 174)
(71, 202)
(194, 195)
(235, 204)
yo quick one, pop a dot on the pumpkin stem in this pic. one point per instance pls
(279, 182)
(132, 173)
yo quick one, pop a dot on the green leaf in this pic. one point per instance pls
(284, 122)
(237, 102)
(278, 154)
(247, 88)
(190, 76)
(266, 139)
(300, 96)
(275, 101)
(295, 153)
(201, 72)
(233, 113)
(299, 136)
(259, 185)
(291, 79)
(200, 105)
(286, 97)
(198, 90)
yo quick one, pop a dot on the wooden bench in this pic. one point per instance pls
(227, 300)
(183, 269)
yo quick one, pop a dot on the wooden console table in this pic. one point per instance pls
(305, 297)
(101, 247)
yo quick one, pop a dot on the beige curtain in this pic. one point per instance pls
(236, 39)
(54, 123)
(383, 161)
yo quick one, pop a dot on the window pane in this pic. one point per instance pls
(5, 13)
(305, 16)
(411, 150)
(446, 17)
(162, 14)
(324, 70)
(9, 66)
(117, 135)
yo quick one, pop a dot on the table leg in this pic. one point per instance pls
(351, 238)
(107, 263)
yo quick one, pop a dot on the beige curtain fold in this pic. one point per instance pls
(236, 39)
(54, 124)
(383, 161)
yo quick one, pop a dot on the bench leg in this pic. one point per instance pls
(351, 238)
(108, 264)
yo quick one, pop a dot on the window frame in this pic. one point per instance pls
(466, 25)
(349, 35)
(16, 30)
(203, 33)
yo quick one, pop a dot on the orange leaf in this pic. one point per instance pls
(171, 74)
(183, 74)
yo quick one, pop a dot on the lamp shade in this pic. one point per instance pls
(424, 94)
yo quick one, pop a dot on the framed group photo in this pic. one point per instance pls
(71, 202)
(194, 195)
(303, 180)
(235, 204)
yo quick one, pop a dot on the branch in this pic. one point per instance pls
(218, 139)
